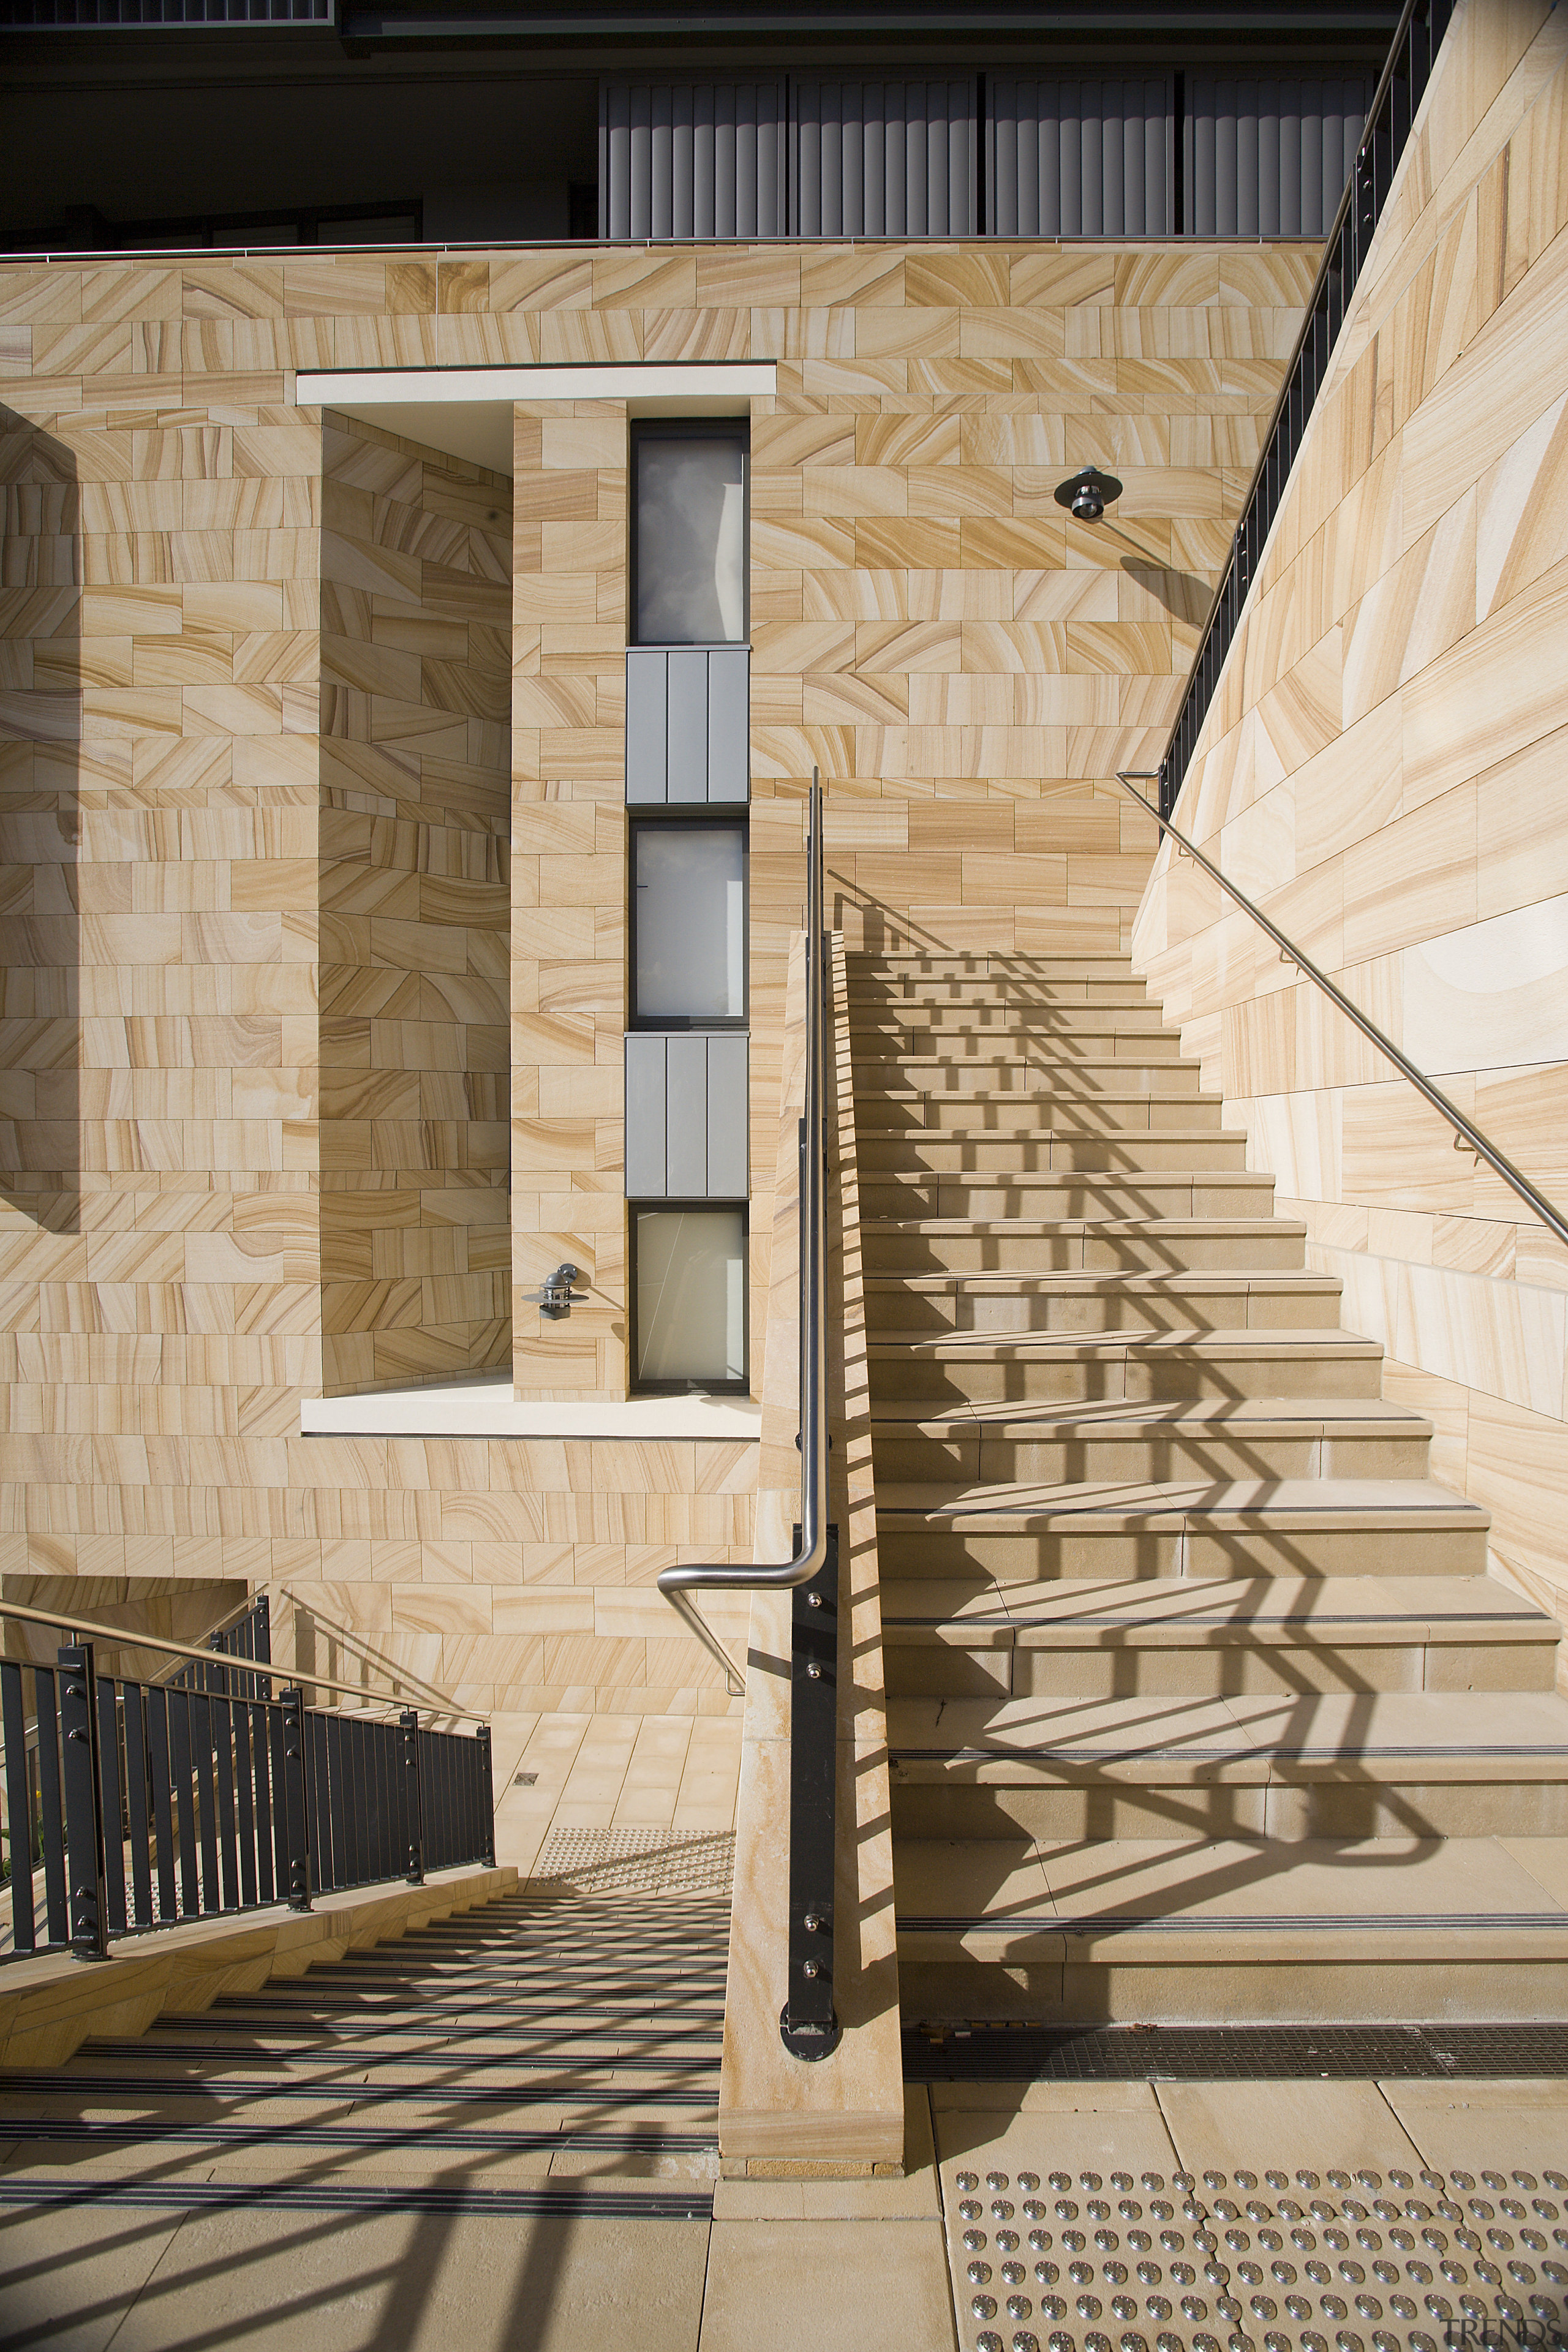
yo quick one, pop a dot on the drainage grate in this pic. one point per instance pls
(940, 2052)
(637, 1861)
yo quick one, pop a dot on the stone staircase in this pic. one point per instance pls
(1202, 1704)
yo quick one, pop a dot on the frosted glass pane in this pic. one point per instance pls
(691, 1294)
(691, 542)
(690, 922)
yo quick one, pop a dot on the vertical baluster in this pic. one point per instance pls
(134, 1699)
(245, 1793)
(412, 1808)
(161, 1705)
(51, 1808)
(19, 1806)
(221, 1711)
(267, 1880)
(113, 1787)
(181, 1734)
(202, 1759)
(333, 1744)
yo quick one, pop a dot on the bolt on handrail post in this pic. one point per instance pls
(86, 1908)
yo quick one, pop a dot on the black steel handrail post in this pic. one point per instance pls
(487, 1824)
(413, 1796)
(295, 1809)
(87, 1909)
(1463, 1129)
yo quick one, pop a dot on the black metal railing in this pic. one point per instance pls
(809, 2022)
(1392, 112)
(248, 1634)
(143, 1804)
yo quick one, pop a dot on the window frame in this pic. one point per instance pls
(636, 1382)
(688, 428)
(716, 816)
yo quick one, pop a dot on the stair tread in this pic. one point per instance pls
(1099, 1228)
(1260, 1607)
(987, 1347)
(1171, 1886)
(1489, 1733)
(1124, 1416)
(1106, 1280)
(1311, 1501)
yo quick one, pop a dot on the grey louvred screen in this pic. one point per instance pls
(1079, 158)
(691, 159)
(1270, 157)
(884, 158)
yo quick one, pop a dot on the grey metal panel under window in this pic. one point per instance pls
(686, 1116)
(1270, 157)
(884, 158)
(688, 725)
(691, 159)
(1079, 158)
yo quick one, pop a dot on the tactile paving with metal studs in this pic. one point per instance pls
(1296, 2262)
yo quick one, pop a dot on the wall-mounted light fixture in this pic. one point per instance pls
(1087, 493)
(557, 1300)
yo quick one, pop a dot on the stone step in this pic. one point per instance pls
(1053, 1194)
(1006, 1076)
(1400, 1764)
(1191, 1528)
(1094, 1033)
(1055, 1022)
(907, 1111)
(916, 1305)
(1136, 1365)
(1219, 1440)
(1018, 988)
(958, 1150)
(1132, 1244)
(1184, 1928)
(1091, 1638)
(987, 964)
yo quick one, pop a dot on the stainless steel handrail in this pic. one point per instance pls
(1465, 1129)
(678, 1584)
(125, 1637)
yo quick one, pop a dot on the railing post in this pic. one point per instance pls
(808, 2024)
(87, 1910)
(487, 1796)
(296, 1815)
(413, 1796)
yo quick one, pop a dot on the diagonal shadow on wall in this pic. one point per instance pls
(40, 818)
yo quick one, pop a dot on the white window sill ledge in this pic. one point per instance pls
(489, 1408)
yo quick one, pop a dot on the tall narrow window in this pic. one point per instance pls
(689, 550)
(690, 1292)
(688, 924)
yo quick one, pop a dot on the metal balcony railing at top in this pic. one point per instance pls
(809, 2023)
(145, 1804)
(1388, 124)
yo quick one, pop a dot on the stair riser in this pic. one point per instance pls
(945, 1670)
(905, 1458)
(1144, 1381)
(1045, 1200)
(1402, 1550)
(1297, 1989)
(904, 1042)
(1275, 1249)
(1126, 1809)
(1017, 1117)
(1010, 1077)
(1009, 1017)
(1048, 1152)
(924, 1312)
(1021, 996)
